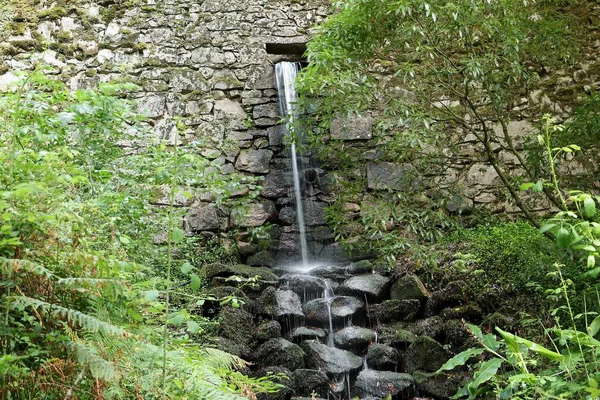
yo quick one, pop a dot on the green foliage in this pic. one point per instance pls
(521, 368)
(511, 255)
(81, 315)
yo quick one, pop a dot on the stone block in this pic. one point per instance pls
(256, 161)
(387, 175)
(352, 128)
(252, 215)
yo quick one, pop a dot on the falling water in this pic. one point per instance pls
(286, 74)
(328, 299)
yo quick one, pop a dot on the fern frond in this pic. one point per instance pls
(86, 282)
(73, 316)
(219, 359)
(99, 367)
(16, 265)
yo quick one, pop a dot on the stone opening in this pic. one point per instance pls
(292, 49)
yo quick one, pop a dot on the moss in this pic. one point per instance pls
(27, 44)
(7, 49)
(64, 36)
(53, 13)
(90, 73)
(4, 68)
(66, 49)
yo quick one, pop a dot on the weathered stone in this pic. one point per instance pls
(432, 327)
(353, 128)
(236, 324)
(425, 354)
(277, 184)
(152, 106)
(409, 287)
(342, 307)
(303, 285)
(459, 204)
(287, 215)
(202, 218)
(314, 212)
(396, 310)
(256, 161)
(254, 214)
(361, 267)
(229, 109)
(330, 359)
(280, 352)
(262, 259)
(276, 134)
(379, 384)
(226, 80)
(228, 270)
(280, 304)
(451, 295)
(391, 176)
(303, 333)
(268, 330)
(265, 111)
(186, 81)
(353, 336)
(374, 286)
(383, 357)
(309, 381)
(233, 347)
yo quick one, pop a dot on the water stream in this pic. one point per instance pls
(285, 73)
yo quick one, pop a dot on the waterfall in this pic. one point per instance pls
(285, 73)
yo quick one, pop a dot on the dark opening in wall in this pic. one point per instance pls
(296, 49)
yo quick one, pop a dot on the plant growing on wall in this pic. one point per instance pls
(441, 72)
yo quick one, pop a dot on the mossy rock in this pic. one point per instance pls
(236, 324)
(469, 312)
(280, 352)
(246, 271)
(409, 287)
(425, 354)
(396, 310)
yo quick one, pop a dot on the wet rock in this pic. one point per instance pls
(374, 286)
(361, 267)
(330, 359)
(279, 304)
(262, 259)
(380, 384)
(276, 184)
(280, 352)
(308, 381)
(227, 270)
(425, 354)
(342, 307)
(439, 386)
(409, 287)
(304, 333)
(303, 284)
(458, 335)
(268, 330)
(353, 336)
(332, 272)
(383, 357)
(395, 310)
(403, 338)
(314, 212)
(236, 324)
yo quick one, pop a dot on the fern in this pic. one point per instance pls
(99, 367)
(85, 321)
(16, 265)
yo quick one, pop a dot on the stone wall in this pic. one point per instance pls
(206, 64)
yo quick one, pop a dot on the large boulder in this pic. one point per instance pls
(454, 294)
(382, 357)
(342, 308)
(379, 384)
(395, 310)
(354, 336)
(439, 386)
(409, 287)
(303, 285)
(253, 215)
(373, 286)
(283, 305)
(267, 330)
(236, 324)
(281, 377)
(227, 270)
(280, 352)
(309, 381)
(329, 359)
(425, 354)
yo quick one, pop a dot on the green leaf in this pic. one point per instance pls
(176, 319)
(151, 295)
(195, 282)
(547, 227)
(589, 208)
(486, 371)
(541, 350)
(538, 187)
(476, 331)
(591, 261)
(459, 359)
(177, 235)
(185, 268)
(526, 186)
(594, 327)
(193, 326)
(491, 342)
(124, 240)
